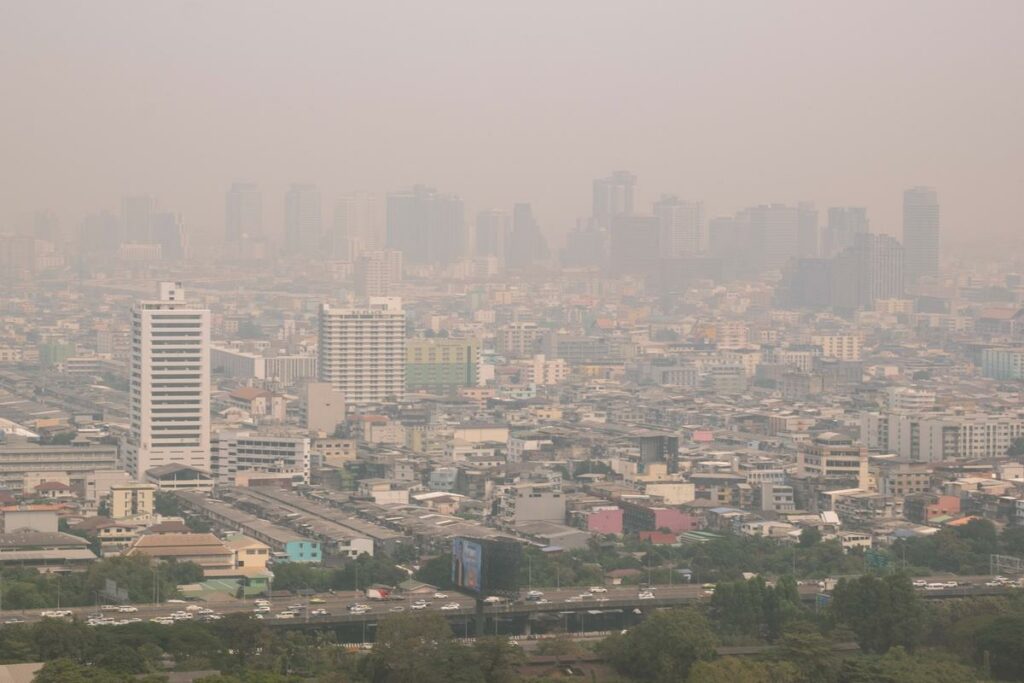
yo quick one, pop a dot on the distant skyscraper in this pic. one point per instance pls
(169, 406)
(492, 231)
(137, 218)
(356, 227)
(166, 229)
(613, 196)
(776, 234)
(303, 224)
(844, 224)
(807, 231)
(634, 246)
(45, 226)
(526, 245)
(681, 226)
(378, 273)
(921, 233)
(243, 213)
(882, 264)
(99, 232)
(429, 228)
(362, 351)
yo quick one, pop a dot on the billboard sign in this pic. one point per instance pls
(467, 564)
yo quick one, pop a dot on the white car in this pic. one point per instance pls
(128, 609)
(261, 609)
(56, 613)
(450, 606)
(287, 614)
(492, 600)
(440, 596)
(165, 621)
(920, 583)
(645, 595)
(586, 595)
(419, 605)
(397, 608)
(598, 589)
(574, 598)
(110, 608)
(321, 612)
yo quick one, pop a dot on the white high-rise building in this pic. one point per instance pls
(170, 384)
(362, 350)
(920, 233)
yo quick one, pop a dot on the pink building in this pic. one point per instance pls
(605, 520)
(674, 520)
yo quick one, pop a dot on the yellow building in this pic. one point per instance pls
(131, 500)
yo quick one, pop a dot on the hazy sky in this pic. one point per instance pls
(733, 103)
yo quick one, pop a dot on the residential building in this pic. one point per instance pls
(441, 363)
(237, 451)
(362, 350)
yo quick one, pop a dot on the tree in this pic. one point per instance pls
(663, 648)
(1016, 448)
(1001, 641)
(242, 635)
(898, 666)
(810, 653)
(810, 536)
(497, 658)
(882, 612)
(66, 671)
(734, 670)
(414, 647)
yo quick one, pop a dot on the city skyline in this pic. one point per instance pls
(935, 116)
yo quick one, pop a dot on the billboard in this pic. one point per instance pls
(486, 566)
(467, 564)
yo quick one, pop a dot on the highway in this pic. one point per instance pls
(556, 602)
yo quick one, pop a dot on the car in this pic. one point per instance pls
(534, 594)
(993, 584)
(175, 601)
(316, 601)
(440, 596)
(598, 589)
(14, 620)
(296, 607)
(586, 595)
(257, 616)
(574, 598)
(708, 592)
(542, 601)
(128, 609)
(935, 587)
(492, 600)
(321, 612)
(110, 608)
(164, 621)
(920, 583)
(261, 609)
(645, 595)
(56, 613)
(418, 605)
(359, 610)
(397, 608)
(952, 584)
(450, 606)
(206, 610)
(359, 606)
(194, 608)
(287, 614)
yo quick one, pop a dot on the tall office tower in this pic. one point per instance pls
(302, 220)
(882, 266)
(586, 246)
(356, 227)
(243, 214)
(169, 391)
(137, 217)
(526, 244)
(807, 231)
(776, 234)
(362, 350)
(681, 226)
(920, 233)
(166, 229)
(378, 273)
(613, 196)
(492, 231)
(45, 226)
(99, 232)
(634, 245)
(429, 228)
(844, 224)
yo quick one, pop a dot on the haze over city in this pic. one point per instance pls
(732, 104)
(459, 341)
